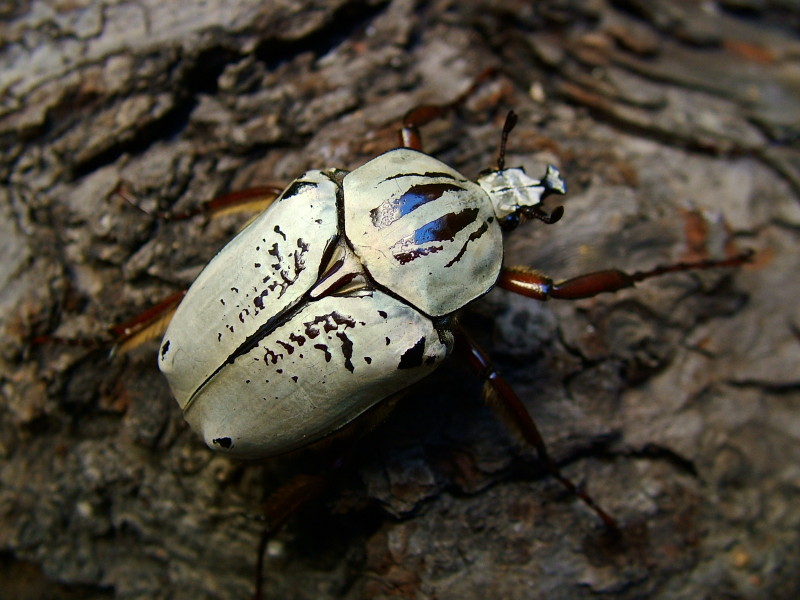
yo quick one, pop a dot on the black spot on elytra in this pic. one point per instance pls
(412, 357)
(164, 349)
(324, 348)
(223, 442)
(293, 190)
(347, 350)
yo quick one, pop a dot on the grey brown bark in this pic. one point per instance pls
(675, 404)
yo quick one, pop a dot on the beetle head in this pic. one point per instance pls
(516, 196)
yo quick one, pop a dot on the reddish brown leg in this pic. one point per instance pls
(153, 322)
(502, 398)
(150, 324)
(528, 282)
(422, 115)
(129, 334)
(250, 200)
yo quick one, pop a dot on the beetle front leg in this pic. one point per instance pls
(531, 283)
(505, 402)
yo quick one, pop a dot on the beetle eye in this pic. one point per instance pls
(509, 222)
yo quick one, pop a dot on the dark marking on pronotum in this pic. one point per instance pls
(294, 189)
(164, 349)
(426, 175)
(297, 339)
(257, 265)
(412, 357)
(472, 237)
(347, 350)
(388, 341)
(368, 360)
(407, 257)
(394, 209)
(383, 314)
(235, 290)
(277, 230)
(294, 378)
(224, 442)
(219, 336)
(222, 300)
(445, 228)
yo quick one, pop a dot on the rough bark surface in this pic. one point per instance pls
(675, 404)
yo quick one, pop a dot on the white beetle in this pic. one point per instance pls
(339, 295)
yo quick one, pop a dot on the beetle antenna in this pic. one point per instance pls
(511, 120)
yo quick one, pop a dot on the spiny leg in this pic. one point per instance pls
(502, 398)
(422, 115)
(531, 283)
(127, 335)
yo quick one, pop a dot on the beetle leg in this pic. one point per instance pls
(284, 504)
(422, 115)
(150, 324)
(502, 398)
(253, 200)
(531, 283)
(127, 335)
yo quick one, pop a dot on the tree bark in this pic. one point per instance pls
(674, 404)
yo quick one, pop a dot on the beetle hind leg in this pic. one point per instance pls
(501, 397)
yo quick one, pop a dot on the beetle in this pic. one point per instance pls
(343, 292)
(346, 290)
(337, 296)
